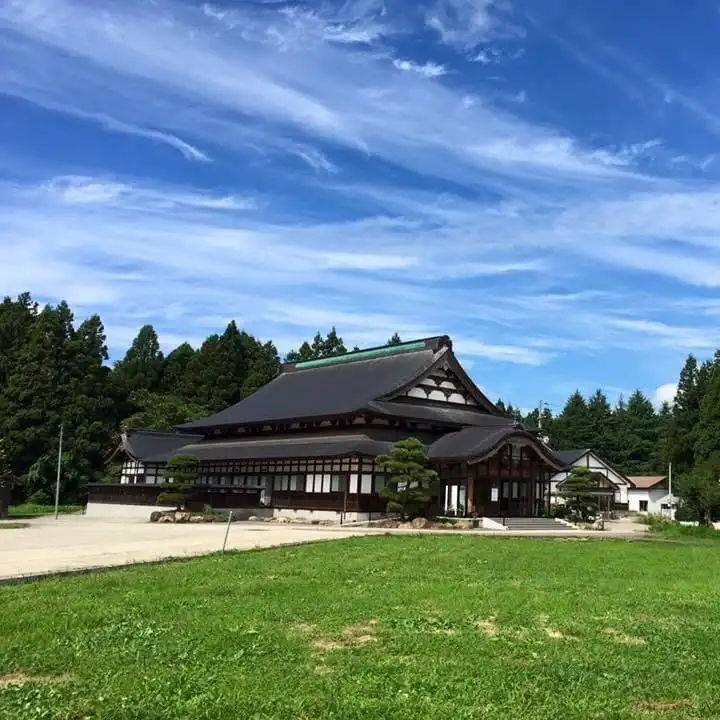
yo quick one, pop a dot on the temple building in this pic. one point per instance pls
(305, 444)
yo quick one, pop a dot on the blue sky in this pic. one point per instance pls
(537, 179)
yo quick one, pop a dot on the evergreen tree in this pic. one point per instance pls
(141, 367)
(706, 433)
(661, 457)
(321, 347)
(59, 378)
(89, 412)
(16, 319)
(600, 420)
(7, 482)
(685, 414)
(514, 413)
(411, 485)
(156, 411)
(33, 399)
(181, 474)
(637, 438)
(699, 490)
(500, 405)
(576, 490)
(263, 367)
(174, 377)
(571, 429)
(394, 340)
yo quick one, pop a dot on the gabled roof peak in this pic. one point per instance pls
(434, 343)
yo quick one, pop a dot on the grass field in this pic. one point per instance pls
(374, 628)
(27, 510)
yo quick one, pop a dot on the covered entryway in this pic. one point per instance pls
(504, 472)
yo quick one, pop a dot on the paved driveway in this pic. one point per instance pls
(74, 542)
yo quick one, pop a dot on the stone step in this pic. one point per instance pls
(537, 524)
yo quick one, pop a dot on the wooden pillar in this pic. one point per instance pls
(470, 491)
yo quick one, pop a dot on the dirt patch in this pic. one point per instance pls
(17, 678)
(621, 639)
(351, 636)
(304, 628)
(554, 634)
(655, 705)
(489, 626)
(325, 645)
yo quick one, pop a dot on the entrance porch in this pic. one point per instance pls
(513, 482)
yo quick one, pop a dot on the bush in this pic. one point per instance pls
(39, 497)
(652, 520)
(670, 529)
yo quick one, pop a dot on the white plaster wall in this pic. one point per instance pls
(621, 495)
(655, 498)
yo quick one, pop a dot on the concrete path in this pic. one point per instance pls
(77, 542)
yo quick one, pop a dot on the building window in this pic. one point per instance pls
(338, 483)
(379, 482)
(643, 506)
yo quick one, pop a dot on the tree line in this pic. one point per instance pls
(55, 370)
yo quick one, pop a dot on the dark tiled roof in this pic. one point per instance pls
(570, 456)
(334, 386)
(440, 414)
(142, 444)
(287, 447)
(476, 443)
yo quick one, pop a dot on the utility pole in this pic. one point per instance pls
(59, 470)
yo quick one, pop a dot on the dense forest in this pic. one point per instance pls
(54, 370)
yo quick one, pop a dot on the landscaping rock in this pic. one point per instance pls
(166, 519)
(405, 526)
(197, 519)
(253, 518)
(155, 515)
(420, 523)
(182, 517)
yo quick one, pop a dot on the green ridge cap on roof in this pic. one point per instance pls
(362, 355)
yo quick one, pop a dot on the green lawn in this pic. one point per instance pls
(375, 628)
(30, 510)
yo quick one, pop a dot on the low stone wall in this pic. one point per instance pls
(320, 515)
(116, 511)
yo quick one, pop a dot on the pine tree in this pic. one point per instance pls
(89, 412)
(577, 493)
(141, 367)
(321, 347)
(571, 429)
(394, 340)
(662, 450)
(16, 319)
(34, 396)
(263, 367)
(685, 414)
(411, 485)
(636, 443)
(706, 433)
(174, 378)
(600, 423)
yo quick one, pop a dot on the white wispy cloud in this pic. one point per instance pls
(467, 23)
(427, 69)
(239, 89)
(76, 190)
(542, 246)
